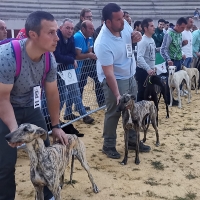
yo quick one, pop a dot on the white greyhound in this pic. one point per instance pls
(174, 81)
(192, 72)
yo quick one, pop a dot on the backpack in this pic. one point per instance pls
(17, 52)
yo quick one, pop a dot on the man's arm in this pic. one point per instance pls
(6, 110)
(164, 50)
(111, 81)
(53, 104)
(82, 56)
(195, 44)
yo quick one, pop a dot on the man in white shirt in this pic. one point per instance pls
(187, 43)
(3, 30)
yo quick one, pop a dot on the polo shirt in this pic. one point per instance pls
(111, 50)
(196, 42)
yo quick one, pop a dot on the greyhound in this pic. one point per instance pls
(48, 164)
(174, 81)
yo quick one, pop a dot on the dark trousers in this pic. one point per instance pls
(8, 155)
(140, 76)
(89, 69)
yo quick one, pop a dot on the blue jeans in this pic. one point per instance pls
(187, 62)
(74, 96)
(63, 93)
(178, 64)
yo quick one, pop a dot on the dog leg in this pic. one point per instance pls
(171, 97)
(56, 193)
(82, 159)
(72, 170)
(179, 97)
(153, 120)
(126, 137)
(39, 193)
(137, 160)
(145, 126)
(189, 91)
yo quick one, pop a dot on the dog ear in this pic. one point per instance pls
(42, 133)
(133, 97)
(175, 68)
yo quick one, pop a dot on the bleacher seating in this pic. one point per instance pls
(170, 10)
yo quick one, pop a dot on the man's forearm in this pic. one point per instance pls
(112, 84)
(82, 56)
(7, 115)
(53, 103)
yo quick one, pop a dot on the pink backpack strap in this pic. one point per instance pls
(47, 67)
(17, 51)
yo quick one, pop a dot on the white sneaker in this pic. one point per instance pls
(53, 198)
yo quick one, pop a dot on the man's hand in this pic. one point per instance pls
(136, 36)
(170, 63)
(118, 98)
(59, 134)
(75, 64)
(92, 56)
(151, 72)
(184, 57)
(185, 42)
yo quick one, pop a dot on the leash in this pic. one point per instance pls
(148, 79)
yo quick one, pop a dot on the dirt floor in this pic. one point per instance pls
(169, 172)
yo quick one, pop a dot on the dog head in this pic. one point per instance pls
(26, 133)
(171, 70)
(124, 100)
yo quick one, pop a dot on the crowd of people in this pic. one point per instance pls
(121, 57)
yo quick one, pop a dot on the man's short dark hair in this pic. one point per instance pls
(181, 20)
(137, 24)
(187, 18)
(83, 11)
(145, 23)
(33, 22)
(126, 13)
(166, 22)
(109, 9)
(161, 20)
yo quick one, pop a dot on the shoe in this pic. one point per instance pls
(69, 129)
(111, 152)
(174, 103)
(70, 117)
(88, 119)
(183, 93)
(142, 147)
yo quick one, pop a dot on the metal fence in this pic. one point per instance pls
(80, 92)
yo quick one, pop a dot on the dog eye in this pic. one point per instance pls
(26, 128)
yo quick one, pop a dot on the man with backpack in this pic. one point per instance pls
(20, 92)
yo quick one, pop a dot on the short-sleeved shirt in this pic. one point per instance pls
(111, 50)
(30, 75)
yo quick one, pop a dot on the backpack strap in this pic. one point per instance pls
(17, 52)
(47, 67)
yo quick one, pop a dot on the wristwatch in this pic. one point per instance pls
(56, 126)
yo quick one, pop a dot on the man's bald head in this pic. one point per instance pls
(3, 30)
(87, 28)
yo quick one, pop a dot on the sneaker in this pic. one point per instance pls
(52, 198)
(70, 117)
(142, 147)
(174, 103)
(88, 119)
(183, 93)
(111, 152)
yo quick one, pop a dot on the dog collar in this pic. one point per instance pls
(149, 80)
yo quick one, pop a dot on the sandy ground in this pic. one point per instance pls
(170, 171)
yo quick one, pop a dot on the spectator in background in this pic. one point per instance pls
(126, 16)
(159, 35)
(196, 14)
(65, 54)
(85, 14)
(137, 26)
(3, 30)
(194, 28)
(21, 34)
(195, 46)
(97, 31)
(166, 27)
(84, 50)
(145, 56)
(129, 21)
(187, 43)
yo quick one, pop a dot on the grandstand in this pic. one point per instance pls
(15, 11)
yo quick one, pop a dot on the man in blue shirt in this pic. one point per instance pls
(116, 68)
(84, 48)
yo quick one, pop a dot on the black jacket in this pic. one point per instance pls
(65, 52)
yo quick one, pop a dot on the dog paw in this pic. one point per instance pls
(124, 162)
(95, 189)
(157, 144)
(137, 161)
